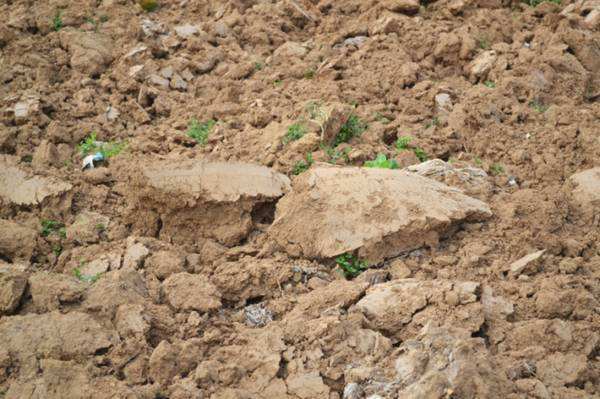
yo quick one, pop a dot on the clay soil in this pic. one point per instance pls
(125, 296)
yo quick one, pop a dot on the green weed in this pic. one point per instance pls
(489, 84)
(108, 149)
(148, 5)
(309, 73)
(403, 142)
(200, 131)
(535, 3)
(381, 118)
(82, 277)
(57, 22)
(478, 161)
(50, 226)
(496, 169)
(352, 128)
(382, 162)
(57, 250)
(538, 106)
(434, 122)
(100, 227)
(27, 158)
(420, 153)
(294, 132)
(351, 265)
(303, 166)
(335, 154)
(277, 82)
(258, 66)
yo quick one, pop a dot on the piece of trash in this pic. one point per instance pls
(257, 315)
(512, 181)
(88, 162)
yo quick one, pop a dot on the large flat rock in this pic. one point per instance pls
(192, 200)
(585, 194)
(380, 212)
(17, 188)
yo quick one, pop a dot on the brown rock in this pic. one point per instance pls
(585, 193)
(51, 290)
(307, 385)
(481, 66)
(562, 369)
(165, 263)
(403, 6)
(87, 228)
(164, 363)
(12, 287)
(186, 291)
(16, 241)
(379, 212)
(204, 200)
(90, 52)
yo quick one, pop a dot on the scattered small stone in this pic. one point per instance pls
(257, 315)
(158, 81)
(167, 72)
(519, 266)
(178, 83)
(112, 113)
(185, 31)
(481, 66)
(355, 41)
(352, 391)
(135, 256)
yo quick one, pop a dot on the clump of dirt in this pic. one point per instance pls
(231, 244)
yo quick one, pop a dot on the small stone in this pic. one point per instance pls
(12, 287)
(257, 315)
(185, 31)
(443, 102)
(178, 83)
(136, 50)
(481, 66)
(163, 363)
(135, 70)
(87, 227)
(569, 265)
(352, 391)
(135, 256)
(112, 113)
(158, 81)
(402, 6)
(522, 264)
(94, 268)
(355, 41)
(165, 263)
(167, 72)
(221, 29)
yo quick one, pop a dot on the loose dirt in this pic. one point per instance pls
(205, 266)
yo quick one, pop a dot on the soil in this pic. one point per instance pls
(180, 269)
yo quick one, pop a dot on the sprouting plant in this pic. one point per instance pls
(335, 154)
(57, 22)
(258, 66)
(302, 165)
(352, 128)
(100, 227)
(104, 18)
(535, 3)
(489, 84)
(402, 142)
(82, 277)
(538, 106)
(50, 226)
(434, 122)
(56, 250)
(351, 265)
(62, 232)
(477, 161)
(496, 169)
(199, 131)
(309, 73)
(277, 82)
(483, 43)
(148, 5)
(27, 158)
(294, 132)
(420, 154)
(382, 162)
(107, 149)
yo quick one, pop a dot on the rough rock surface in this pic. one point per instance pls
(585, 195)
(49, 291)
(12, 287)
(382, 213)
(186, 291)
(90, 52)
(16, 241)
(200, 199)
(19, 189)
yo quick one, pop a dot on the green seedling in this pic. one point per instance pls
(478, 161)
(148, 5)
(382, 162)
(62, 232)
(420, 153)
(489, 84)
(258, 66)
(50, 226)
(82, 277)
(200, 131)
(351, 265)
(294, 132)
(352, 128)
(57, 250)
(277, 82)
(57, 22)
(434, 122)
(302, 166)
(335, 154)
(108, 149)
(27, 158)
(496, 169)
(538, 106)
(100, 227)
(535, 3)
(483, 43)
(403, 142)
(309, 73)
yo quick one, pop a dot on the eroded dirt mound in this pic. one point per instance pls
(211, 254)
